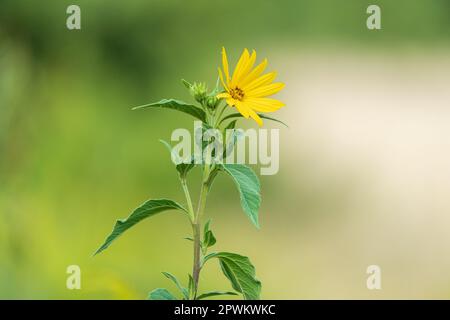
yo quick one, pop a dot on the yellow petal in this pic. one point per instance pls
(255, 73)
(231, 102)
(239, 66)
(259, 108)
(223, 95)
(261, 81)
(246, 68)
(225, 65)
(221, 79)
(264, 104)
(242, 108)
(255, 117)
(265, 90)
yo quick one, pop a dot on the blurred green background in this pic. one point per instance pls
(363, 178)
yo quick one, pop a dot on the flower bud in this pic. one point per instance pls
(198, 91)
(212, 101)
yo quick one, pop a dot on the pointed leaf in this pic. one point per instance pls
(186, 83)
(241, 273)
(234, 136)
(176, 105)
(216, 293)
(208, 237)
(206, 227)
(191, 286)
(199, 135)
(183, 166)
(231, 125)
(216, 90)
(249, 189)
(160, 294)
(263, 116)
(183, 290)
(148, 209)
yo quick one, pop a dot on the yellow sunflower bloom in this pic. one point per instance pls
(247, 89)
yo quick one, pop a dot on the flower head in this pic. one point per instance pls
(199, 91)
(247, 89)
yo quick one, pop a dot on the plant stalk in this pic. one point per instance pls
(197, 223)
(196, 227)
(188, 198)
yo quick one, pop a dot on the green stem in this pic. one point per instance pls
(217, 120)
(197, 261)
(188, 198)
(196, 222)
(196, 227)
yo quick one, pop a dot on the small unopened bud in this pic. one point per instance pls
(212, 101)
(198, 91)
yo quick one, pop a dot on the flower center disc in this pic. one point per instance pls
(237, 93)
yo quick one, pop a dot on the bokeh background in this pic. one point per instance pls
(365, 164)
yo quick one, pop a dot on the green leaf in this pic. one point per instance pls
(183, 290)
(241, 273)
(208, 237)
(206, 228)
(160, 294)
(216, 90)
(191, 286)
(176, 105)
(186, 83)
(199, 134)
(209, 240)
(212, 177)
(231, 125)
(183, 167)
(216, 293)
(249, 189)
(263, 116)
(148, 209)
(234, 136)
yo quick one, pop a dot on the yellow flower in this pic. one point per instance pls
(247, 89)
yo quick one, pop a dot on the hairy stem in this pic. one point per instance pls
(218, 118)
(197, 263)
(188, 198)
(196, 227)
